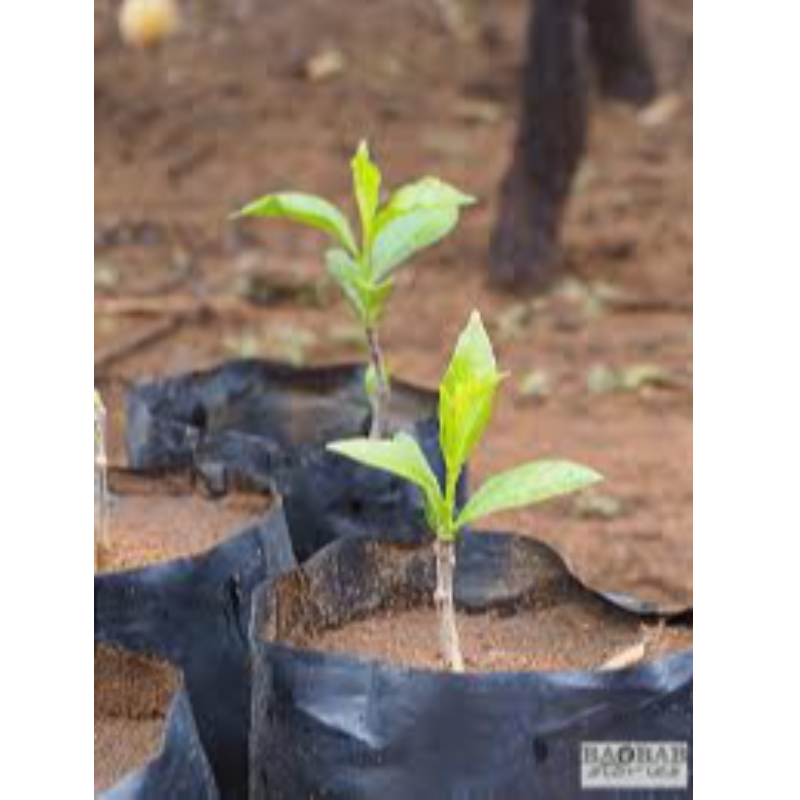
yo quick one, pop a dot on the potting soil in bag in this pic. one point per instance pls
(194, 614)
(340, 715)
(146, 744)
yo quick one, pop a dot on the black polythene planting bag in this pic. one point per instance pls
(194, 613)
(180, 772)
(341, 728)
(264, 426)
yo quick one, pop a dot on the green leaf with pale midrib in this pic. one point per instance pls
(410, 234)
(307, 210)
(418, 216)
(527, 486)
(468, 395)
(402, 456)
(367, 181)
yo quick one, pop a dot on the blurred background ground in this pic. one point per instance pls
(234, 108)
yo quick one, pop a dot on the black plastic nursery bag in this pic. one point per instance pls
(265, 426)
(194, 614)
(180, 772)
(334, 727)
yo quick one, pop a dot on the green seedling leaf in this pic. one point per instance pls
(409, 234)
(367, 182)
(402, 457)
(527, 486)
(347, 274)
(376, 298)
(427, 193)
(307, 210)
(368, 299)
(467, 395)
(418, 217)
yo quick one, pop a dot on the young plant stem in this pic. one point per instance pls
(101, 489)
(446, 606)
(383, 391)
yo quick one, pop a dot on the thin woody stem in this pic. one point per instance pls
(101, 489)
(383, 391)
(446, 607)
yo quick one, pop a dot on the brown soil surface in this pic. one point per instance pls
(564, 638)
(131, 701)
(156, 521)
(227, 112)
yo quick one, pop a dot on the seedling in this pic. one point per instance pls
(415, 218)
(466, 403)
(101, 493)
